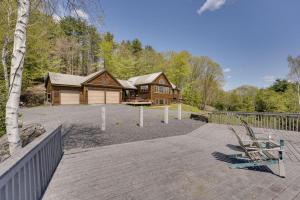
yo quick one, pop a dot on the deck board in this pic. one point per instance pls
(179, 167)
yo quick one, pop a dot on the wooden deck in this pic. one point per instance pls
(189, 167)
(138, 103)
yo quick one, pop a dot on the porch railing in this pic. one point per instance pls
(27, 174)
(278, 121)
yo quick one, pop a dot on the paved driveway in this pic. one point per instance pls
(82, 124)
(186, 167)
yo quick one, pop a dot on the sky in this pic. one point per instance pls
(250, 39)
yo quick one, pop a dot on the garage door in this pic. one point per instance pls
(112, 97)
(95, 96)
(69, 97)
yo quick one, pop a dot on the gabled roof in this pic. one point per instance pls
(127, 84)
(91, 76)
(174, 86)
(145, 79)
(71, 80)
(66, 79)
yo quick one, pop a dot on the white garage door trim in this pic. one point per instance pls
(68, 97)
(95, 97)
(112, 97)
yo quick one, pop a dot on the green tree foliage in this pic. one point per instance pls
(106, 48)
(281, 96)
(239, 99)
(77, 47)
(178, 69)
(268, 100)
(136, 47)
(191, 97)
(206, 79)
(280, 85)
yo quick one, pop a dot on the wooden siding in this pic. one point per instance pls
(104, 79)
(106, 82)
(164, 78)
(157, 96)
(153, 96)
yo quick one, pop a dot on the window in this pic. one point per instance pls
(167, 90)
(49, 97)
(162, 81)
(144, 88)
(162, 89)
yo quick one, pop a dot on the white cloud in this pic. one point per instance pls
(229, 77)
(211, 5)
(56, 18)
(227, 70)
(269, 78)
(81, 14)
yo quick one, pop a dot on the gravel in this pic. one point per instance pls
(81, 124)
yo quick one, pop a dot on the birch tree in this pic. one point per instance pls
(294, 73)
(18, 55)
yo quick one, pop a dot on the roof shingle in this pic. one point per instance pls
(145, 79)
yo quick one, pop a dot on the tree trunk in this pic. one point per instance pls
(18, 54)
(4, 61)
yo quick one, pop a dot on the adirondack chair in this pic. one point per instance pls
(259, 142)
(257, 155)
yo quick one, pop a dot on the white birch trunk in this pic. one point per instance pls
(18, 54)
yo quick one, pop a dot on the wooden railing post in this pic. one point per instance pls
(179, 112)
(103, 123)
(279, 121)
(166, 114)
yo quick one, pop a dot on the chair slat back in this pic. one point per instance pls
(251, 133)
(239, 139)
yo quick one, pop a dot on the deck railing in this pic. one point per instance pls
(27, 174)
(278, 121)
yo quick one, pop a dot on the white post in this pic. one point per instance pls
(102, 118)
(166, 115)
(141, 124)
(179, 112)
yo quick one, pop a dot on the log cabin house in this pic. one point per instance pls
(102, 88)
